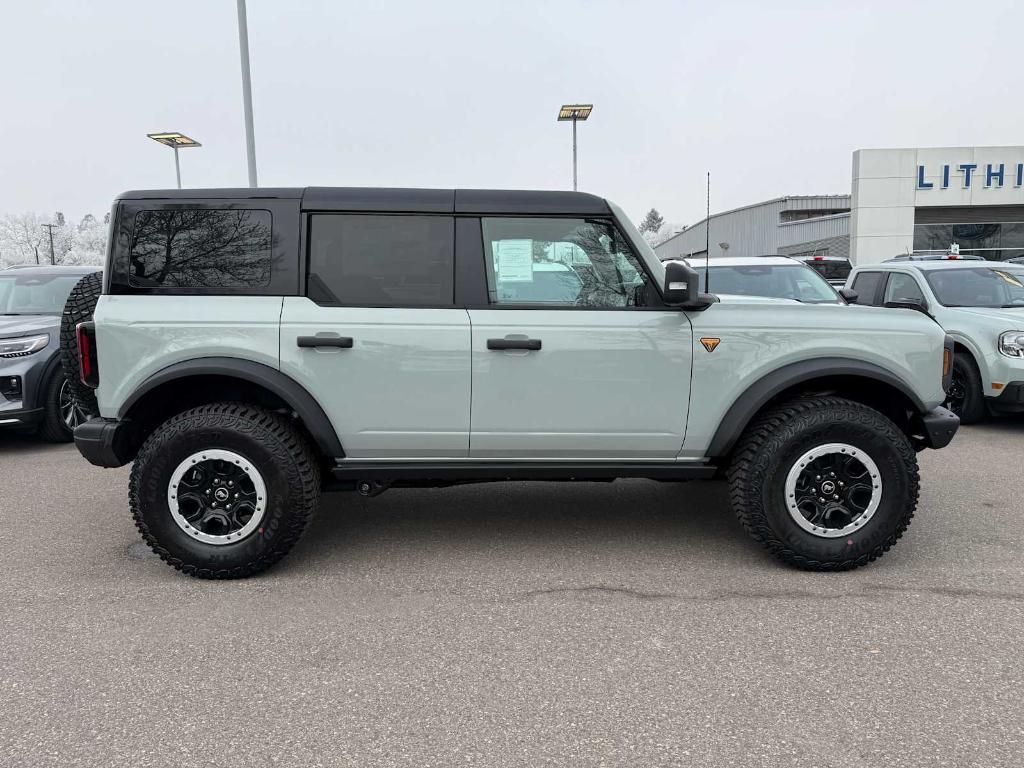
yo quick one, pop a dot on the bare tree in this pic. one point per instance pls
(21, 236)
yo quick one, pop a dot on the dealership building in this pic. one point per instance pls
(901, 201)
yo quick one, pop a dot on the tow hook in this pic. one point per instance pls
(372, 487)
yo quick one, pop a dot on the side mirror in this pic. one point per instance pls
(849, 294)
(682, 288)
(917, 304)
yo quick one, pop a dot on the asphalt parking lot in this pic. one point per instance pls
(629, 624)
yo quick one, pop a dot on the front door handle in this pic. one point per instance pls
(532, 344)
(339, 342)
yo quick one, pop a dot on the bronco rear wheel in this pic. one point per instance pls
(224, 491)
(824, 482)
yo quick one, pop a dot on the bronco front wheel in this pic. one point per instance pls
(224, 491)
(824, 482)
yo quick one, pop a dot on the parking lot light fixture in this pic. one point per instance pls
(574, 112)
(175, 141)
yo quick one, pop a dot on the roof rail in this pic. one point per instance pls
(936, 257)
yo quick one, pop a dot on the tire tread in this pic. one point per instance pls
(782, 423)
(292, 452)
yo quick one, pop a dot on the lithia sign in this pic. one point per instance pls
(994, 175)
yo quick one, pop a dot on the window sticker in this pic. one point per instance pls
(514, 260)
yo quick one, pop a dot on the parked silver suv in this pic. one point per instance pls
(35, 393)
(254, 346)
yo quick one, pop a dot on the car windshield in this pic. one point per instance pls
(978, 287)
(776, 281)
(35, 294)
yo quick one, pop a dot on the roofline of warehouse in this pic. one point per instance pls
(753, 205)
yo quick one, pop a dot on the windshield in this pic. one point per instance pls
(35, 294)
(978, 287)
(776, 281)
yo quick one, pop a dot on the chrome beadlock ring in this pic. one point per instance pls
(217, 497)
(833, 490)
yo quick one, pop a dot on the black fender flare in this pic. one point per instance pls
(290, 391)
(753, 399)
(49, 369)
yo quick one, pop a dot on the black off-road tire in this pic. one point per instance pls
(970, 407)
(52, 428)
(273, 445)
(776, 441)
(78, 309)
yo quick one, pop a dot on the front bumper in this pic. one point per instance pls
(936, 428)
(23, 417)
(105, 442)
(1010, 400)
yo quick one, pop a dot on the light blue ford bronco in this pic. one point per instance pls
(253, 347)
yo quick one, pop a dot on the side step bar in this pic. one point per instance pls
(484, 471)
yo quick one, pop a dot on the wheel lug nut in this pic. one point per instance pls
(836, 497)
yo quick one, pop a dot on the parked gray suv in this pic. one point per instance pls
(253, 347)
(35, 394)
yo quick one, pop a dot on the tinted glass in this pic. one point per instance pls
(901, 287)
(981, 287)
(772, 281)
(200, 248)
(993, 241)
(866, 286)
(35, 294)
(831, 269)
(565, 262)
(367, 260)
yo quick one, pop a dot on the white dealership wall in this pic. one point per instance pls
(889, 184)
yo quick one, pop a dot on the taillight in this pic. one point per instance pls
(88, 364)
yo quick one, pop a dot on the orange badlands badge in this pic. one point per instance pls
(710, 344)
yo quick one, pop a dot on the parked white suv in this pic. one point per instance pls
(980, 304)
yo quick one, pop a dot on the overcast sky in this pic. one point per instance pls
(772, 98)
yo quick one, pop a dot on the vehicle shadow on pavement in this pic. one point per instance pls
(624, 520)
(1004, 424)
(17, 442)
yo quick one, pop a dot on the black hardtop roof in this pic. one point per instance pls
(399, 200)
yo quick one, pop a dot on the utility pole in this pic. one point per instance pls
(53, 258)
(243, 49)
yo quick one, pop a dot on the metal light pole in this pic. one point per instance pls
(574, 112)
(243, 49)
(175, 141)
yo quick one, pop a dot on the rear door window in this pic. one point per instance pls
(381, 260)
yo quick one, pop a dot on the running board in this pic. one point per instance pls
(481, 471)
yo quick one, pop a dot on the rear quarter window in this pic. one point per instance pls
(201, 248)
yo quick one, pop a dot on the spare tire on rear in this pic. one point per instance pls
(78, 309)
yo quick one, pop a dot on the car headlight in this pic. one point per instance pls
(1011, 344)
(24, 345)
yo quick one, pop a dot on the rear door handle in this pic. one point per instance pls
(533, 344)
(339, 342)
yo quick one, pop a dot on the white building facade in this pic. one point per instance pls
(914, 200)
(903, 201)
